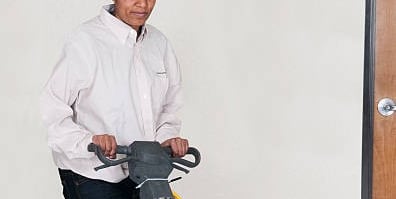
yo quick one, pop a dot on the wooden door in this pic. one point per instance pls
(384, 145)
(383, 84)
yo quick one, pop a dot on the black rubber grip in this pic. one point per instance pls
(91, 147)
(120, 149)
(107, 162)
(123, 150)
(191, 151)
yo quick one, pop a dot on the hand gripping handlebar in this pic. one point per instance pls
(128, 150)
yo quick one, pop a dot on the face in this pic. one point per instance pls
(133, 12)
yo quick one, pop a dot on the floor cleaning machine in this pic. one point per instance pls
(149, 166)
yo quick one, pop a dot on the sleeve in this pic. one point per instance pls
(168, 125)
(70, 75)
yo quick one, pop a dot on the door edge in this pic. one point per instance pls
(368, 101)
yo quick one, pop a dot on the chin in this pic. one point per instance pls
(134, 23)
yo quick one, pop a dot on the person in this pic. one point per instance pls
(117, 81)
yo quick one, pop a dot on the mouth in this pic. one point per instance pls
(139, 14)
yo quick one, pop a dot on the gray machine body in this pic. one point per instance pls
(149, 166)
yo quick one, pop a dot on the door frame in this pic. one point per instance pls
(368, 101)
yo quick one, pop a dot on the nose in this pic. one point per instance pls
(141, 3)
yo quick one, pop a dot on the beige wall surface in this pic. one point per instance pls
(273, 94)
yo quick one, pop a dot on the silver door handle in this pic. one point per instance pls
(386, 107)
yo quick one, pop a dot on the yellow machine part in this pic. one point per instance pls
(176, 195)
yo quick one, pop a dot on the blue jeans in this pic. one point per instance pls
(76, 186)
